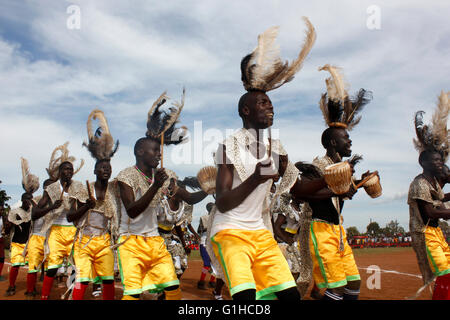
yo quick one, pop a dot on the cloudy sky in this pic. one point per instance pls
(59, 62)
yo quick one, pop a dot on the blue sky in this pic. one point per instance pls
(125, 54)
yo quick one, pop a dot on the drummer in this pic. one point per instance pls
(334, 267)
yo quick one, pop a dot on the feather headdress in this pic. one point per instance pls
(263, 69)
(30, 182)
(435, 137)
(338, 108)
(55, 161)
(101, 143)
(162, 123)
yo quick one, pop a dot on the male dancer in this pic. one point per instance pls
(19, 220)
(334, 266)
(3, 219)
(426, 200)
(35, 249)
(241, 237)
(94, 214)
(202, 228)
(54, 205)
(144, 262)
(173, 211)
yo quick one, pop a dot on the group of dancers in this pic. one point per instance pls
(274, 227)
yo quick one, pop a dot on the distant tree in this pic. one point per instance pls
(373, 229)
(3, 198)
(352, 231)
(393, 228)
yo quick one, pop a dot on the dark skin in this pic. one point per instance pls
(279, 232)
(256, 114)
(103, 172)
(147, 160)
(45, 205)
(147, 157)
(338, 146)
(433, 167)
(175, 197)
(27, 203)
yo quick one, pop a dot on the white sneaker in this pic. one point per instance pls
(218, 296)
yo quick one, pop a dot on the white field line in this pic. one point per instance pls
(395, 272)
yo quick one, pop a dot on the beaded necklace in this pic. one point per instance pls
(149, 180)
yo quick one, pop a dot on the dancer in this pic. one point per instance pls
(19, 221)
(54, 206)
(174, 211)
(202, 228)
(3, 221)
(144, 262)
(94, 215)
(426, 198)
(35, 249)
(334, 266)
(240, 231)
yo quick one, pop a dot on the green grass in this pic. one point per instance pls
(370, 251)
(195, 255)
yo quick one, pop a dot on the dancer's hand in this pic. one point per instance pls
(90, 203)
(57, 204)
(160, 177)
(258, 175)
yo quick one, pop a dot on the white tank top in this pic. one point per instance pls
(146, 224)
(247, 215)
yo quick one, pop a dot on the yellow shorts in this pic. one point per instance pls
(251, 259)
(95, 262)
(331, 268)
(60, 242)
(145, 265)
(35, 252)
(438, 251)
(16, 254)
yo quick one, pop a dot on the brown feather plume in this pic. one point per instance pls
(101, 143)
(55, 162)
(163, 123)
(30, 182)
(337, 107)
(263, 69)
(434, 137)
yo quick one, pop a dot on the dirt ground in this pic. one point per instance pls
(399, 279)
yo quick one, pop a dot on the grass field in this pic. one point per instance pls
(370, 251)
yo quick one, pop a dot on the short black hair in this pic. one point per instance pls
(426, 155)
(26, 196)
(140, 142)
(327, 135)
(244, 100)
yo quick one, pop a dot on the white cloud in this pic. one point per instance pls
(126, 54)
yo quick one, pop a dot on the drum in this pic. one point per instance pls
(338, 177)
(373, 186)
(207, 179)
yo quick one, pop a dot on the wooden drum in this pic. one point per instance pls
(207, 179)
(373, 186)
(338, 177)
